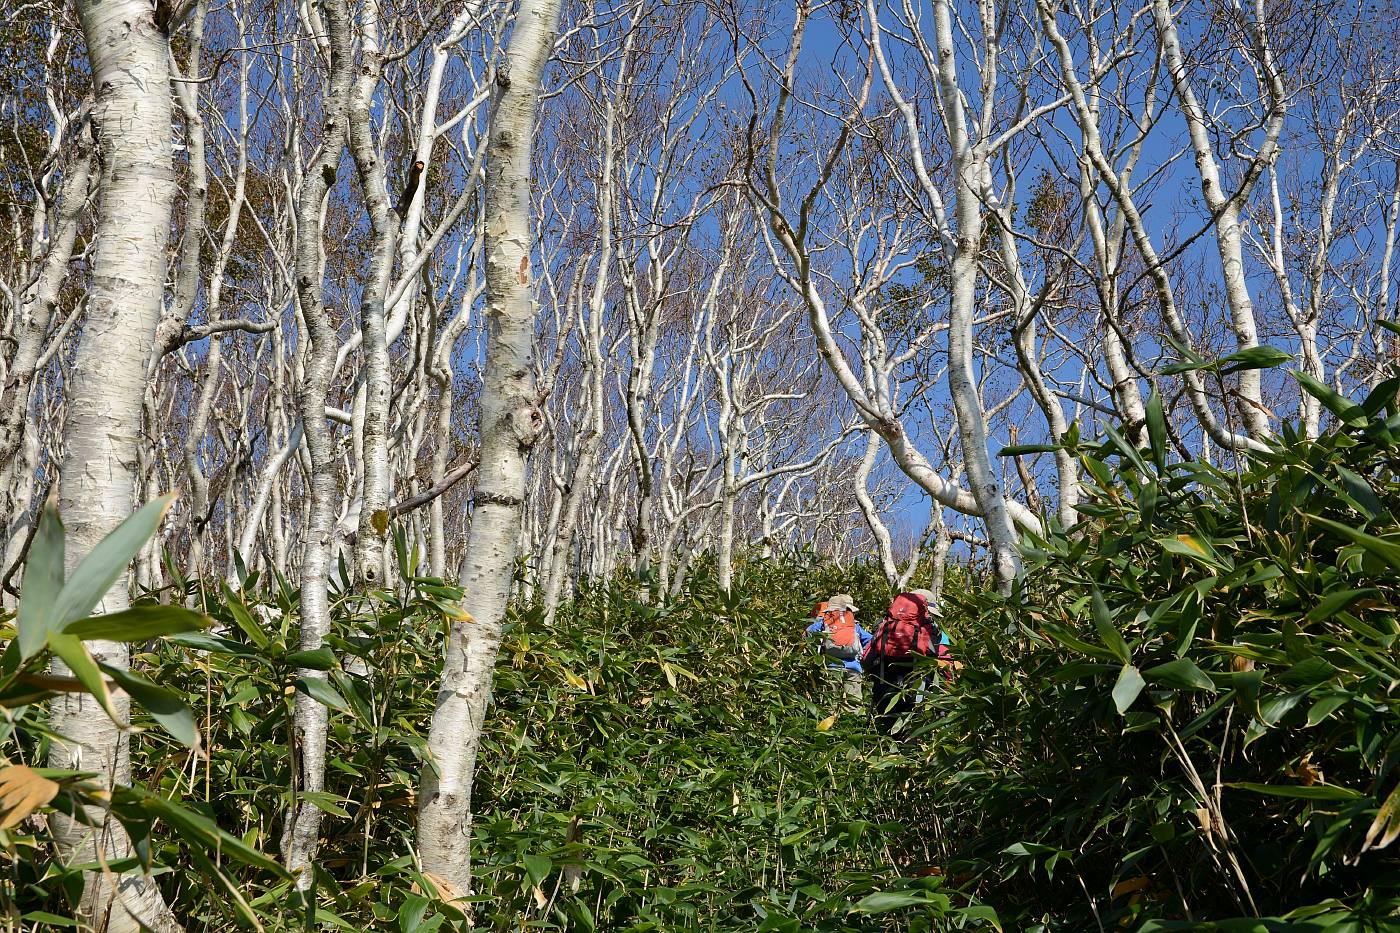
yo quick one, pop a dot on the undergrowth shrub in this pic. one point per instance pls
(1184, 717)
(651, 765)
(1187, 710)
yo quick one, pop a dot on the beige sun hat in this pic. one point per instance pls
(842, 601)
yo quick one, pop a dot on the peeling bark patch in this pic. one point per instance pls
(524, 270)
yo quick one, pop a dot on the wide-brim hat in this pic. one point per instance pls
(929, 600)
(842, 601)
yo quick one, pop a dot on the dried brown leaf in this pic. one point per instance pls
(22, 791)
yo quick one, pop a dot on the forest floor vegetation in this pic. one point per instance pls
(1184, 717)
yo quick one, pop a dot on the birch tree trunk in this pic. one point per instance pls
(1226, 209)
(883, 544)
(1132, 219)
(594, 365)
(374, 463)
(510, 423)
(969, 160)
(300, 837)
(38, 302)
(106, 387)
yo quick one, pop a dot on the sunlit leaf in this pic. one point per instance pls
(1261, 357)
(1108, 632)
(75, 655)
(1346, 411)
(1385, 828)
(1298, 791)
(884, 901)
(23, 791)
(1388, 551)
(1126, 690)
(107, 561)
(164, 706)
(322, 692)
(1181, 674)
(139, 623)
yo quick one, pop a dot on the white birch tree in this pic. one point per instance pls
(509, 424)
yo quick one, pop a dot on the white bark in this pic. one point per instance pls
(884, 547)
(106, 387)
(510, 423)
(374, 437)
(302, 830)
(1226, 208)
(37, 305)
(1117, 184)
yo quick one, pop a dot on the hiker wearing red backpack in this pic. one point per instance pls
(843, 639)
(908, 633)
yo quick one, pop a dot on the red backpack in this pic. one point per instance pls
(906, 629)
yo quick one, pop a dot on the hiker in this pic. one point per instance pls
(843, 639)
(892, 658)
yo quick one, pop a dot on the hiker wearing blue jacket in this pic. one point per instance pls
(852, 665)
(834, 608)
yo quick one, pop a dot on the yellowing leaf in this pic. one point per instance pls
(1130, 886)
(1386, 827)
(1192, 543)
(22, 791)
(826, 723)
(575, 680)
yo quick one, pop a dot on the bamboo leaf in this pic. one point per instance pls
(96, 573)
(318, 659)
(1333, 603)
(537, 867)
(322, 692)
(1387, 551)
(244, 619)
(1361, 493)
(1108, 632)
(1195, 548)
(1381, 397)
(164, 706)
(1385, 828)
(139, 623)
(884, 901)
(1346, 411)
(1156, 429)
(1126, 690)
(1181, 674)
(1176, 369)
(1262, 357)
(200, 830)
(43, 581)
(73, 653)
(1298, 791)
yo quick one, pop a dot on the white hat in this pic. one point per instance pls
(929, 600)
(841, 601)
